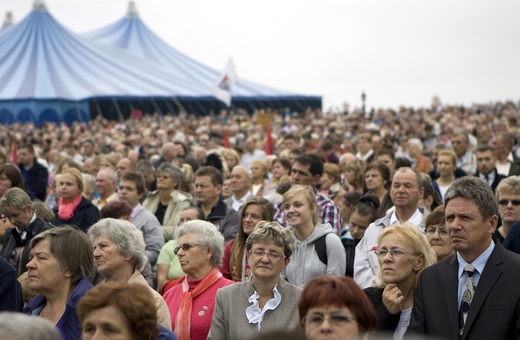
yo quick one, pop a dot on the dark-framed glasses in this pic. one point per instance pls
(185, 247)
(272, 255)
(506, 202)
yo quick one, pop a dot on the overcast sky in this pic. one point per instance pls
(399, 52)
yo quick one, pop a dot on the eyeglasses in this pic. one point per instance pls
(338, 319)
(272, 255)
(506, 202)
(394, 252)
(432, 230)
(185, 247)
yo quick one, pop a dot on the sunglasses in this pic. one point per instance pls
(506, 202)
(185, 247)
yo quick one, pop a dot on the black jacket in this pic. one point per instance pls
(85, 215)
(496, 181)
(225, 219)
(385, 320)
(35, 180)
(350, 251)
(12, 240)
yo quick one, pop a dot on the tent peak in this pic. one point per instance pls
(39, 5)
(132, 10)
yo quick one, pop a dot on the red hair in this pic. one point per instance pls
(341, 291)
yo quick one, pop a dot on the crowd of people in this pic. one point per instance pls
(358, 225)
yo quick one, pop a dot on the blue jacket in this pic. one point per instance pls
(10, 291)
(165, 334)
(68, 324)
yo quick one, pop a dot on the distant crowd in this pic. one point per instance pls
(294, 223)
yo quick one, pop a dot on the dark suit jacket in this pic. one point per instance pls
(498, 178)
(514, 170)
(494, 311)
(385, 320)
(36, 180)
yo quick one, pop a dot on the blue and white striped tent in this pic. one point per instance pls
(49, 73)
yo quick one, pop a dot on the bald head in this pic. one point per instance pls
(169, 151)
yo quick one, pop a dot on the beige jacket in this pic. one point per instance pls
(163, 313)
(179, 202)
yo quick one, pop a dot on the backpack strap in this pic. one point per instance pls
(320, 246)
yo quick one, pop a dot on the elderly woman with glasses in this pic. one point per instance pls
(169, 271)
(266, 302)
(119, 256)
(403, 253)
(191, 303)
(167, 202)
(334, 307)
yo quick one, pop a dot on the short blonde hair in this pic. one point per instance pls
(265, 232)
(332, 170)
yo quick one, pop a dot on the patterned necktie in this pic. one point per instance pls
(467, 296)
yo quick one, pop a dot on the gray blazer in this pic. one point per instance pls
(230, 320)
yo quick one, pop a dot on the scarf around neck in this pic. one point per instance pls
(66, 210)
(183, 320)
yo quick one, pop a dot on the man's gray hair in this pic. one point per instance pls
(473, 188)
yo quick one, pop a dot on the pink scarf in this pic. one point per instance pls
(66, 210)
(183, 320)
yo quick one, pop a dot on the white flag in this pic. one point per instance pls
(222, 87)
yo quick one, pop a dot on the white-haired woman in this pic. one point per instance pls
(191, 303)
(119, 256)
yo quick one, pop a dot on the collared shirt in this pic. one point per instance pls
(23, 232)
(416, 219)
(100, 202)
(490, 178)
(237, 204)
(365, 156)
(255, 314)
(328, 210)
(504, 167)
(479, 264)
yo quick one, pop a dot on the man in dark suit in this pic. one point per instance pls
(34, 174)
(493, 311)
(486, 169)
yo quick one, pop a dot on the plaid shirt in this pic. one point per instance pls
(328, 210)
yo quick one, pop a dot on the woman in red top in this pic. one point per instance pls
(191, 303)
